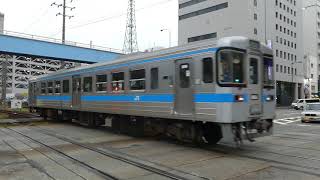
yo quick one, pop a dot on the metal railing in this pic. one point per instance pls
(59, 41)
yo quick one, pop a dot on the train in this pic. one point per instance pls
(212, 91)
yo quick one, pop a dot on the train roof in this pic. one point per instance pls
(236, 41)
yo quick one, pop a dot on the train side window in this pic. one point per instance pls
(57, 87)
(138, 79)
(43, 88)
(66, 86)
(118, 81)
(207, 70)
(154, 78)
(50, 87)
(185, 75)
(87, 84)
(101, 83)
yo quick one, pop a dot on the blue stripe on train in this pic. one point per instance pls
(130, 98)
(168, 98)
(214, 98)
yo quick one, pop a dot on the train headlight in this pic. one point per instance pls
(269, 98)
(239, 98)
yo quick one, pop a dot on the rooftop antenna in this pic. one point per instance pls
(130, 41)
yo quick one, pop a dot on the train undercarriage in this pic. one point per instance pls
(185, 131)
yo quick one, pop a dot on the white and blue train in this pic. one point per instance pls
(208, 91)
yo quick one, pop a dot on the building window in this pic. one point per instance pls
(138, 79)
(101, 83)
(255, 16)
(281, 68)
(207, 70)
(288, 70)
(65, 86)
(255, 3)
(311, 75)
(57, 88)
(87, 84)
(255, 31)
(277, 68)
(118, 82)
(204, 11)
(154, 78)
(285, 69)
(190, 3)
(202, 37)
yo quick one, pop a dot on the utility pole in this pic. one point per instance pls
(130, 41)
(64, 15)
(4, 82)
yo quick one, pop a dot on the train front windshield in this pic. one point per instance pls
(231, 67)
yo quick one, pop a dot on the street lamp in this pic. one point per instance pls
(169, 31)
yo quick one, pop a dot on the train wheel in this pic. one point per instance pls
(212, 133)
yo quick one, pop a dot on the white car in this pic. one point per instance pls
(311, 113)
(301, 103)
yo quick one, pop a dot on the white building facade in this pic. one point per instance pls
(311, 42)
(274, 22)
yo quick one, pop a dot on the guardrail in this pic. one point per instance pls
(59, 41)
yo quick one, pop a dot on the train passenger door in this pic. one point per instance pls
(76, 91)
(255, 85)
(183, 86)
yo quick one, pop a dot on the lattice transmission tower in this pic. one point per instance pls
(130, 40)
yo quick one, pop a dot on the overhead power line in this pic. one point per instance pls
(40, 17)
(106, 18)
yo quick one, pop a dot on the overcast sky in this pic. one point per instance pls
(39, 18)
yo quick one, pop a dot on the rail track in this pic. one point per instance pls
(18, 115)
(167, 172)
